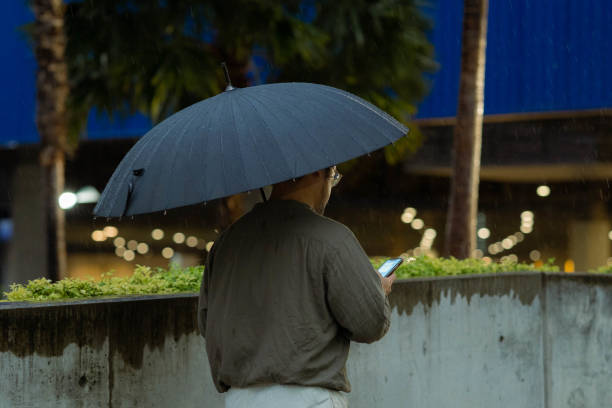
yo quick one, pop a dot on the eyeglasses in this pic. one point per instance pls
(336, 178)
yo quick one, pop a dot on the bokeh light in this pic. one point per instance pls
(191, 241)
(417, 224)
(98, 236)
(543, 191)
(67, 200)
(157, 234)
(179, 237)
(167, 252)
(484, 233)
(119, 242)
(110, 231)
(430, 233)
(129, 255)
(407, 218)
(142, 248)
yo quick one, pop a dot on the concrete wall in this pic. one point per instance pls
(514, 340)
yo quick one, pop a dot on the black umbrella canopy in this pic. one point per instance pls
(241, 140)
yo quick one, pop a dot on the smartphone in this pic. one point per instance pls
(389, 266)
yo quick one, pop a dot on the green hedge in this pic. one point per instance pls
(146, 281)
(423, 267)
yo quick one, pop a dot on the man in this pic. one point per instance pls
(284, 291)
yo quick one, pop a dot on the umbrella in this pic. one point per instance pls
(244, 139)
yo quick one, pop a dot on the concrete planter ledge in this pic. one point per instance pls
(513, 340)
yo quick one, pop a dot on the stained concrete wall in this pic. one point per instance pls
(514, 340)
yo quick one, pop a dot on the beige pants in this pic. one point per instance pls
(284, 396)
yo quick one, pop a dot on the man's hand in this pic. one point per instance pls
(387, 282)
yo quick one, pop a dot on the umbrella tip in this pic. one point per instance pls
(229, 86)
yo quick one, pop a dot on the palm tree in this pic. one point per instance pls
(463, 204)
(51, 98)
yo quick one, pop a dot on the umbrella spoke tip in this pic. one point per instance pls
(227, 77)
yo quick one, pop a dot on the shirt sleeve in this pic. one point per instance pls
(354, 293)
(203, 299)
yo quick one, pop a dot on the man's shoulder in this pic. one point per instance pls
(332, 226)
(300, 221)
(327, 230)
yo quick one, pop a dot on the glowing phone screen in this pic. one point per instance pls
(389, 266)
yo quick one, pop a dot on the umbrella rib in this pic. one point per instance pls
(222, 105)
(173, 161)
(323, 151)
(389, 119)
(289, 112)
(355, 140)
(214, 109)
(238, 144)
(177, 119)
(262, 161)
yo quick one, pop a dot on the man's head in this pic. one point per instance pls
(313, 189)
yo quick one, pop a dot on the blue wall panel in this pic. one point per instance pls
(17, 76)
(541, 56)
(101, 126)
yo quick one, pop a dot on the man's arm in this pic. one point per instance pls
(355, 292)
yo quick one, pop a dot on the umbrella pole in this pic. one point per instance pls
(263, 195)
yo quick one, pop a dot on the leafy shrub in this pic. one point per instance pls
(602, 269)
(143, 281)
(146, 281)
(423, 266)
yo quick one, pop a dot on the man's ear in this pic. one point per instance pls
(315, 175)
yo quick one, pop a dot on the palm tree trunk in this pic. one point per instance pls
(463, 204)
(51, 95)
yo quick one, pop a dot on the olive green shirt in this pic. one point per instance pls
(284, 292)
